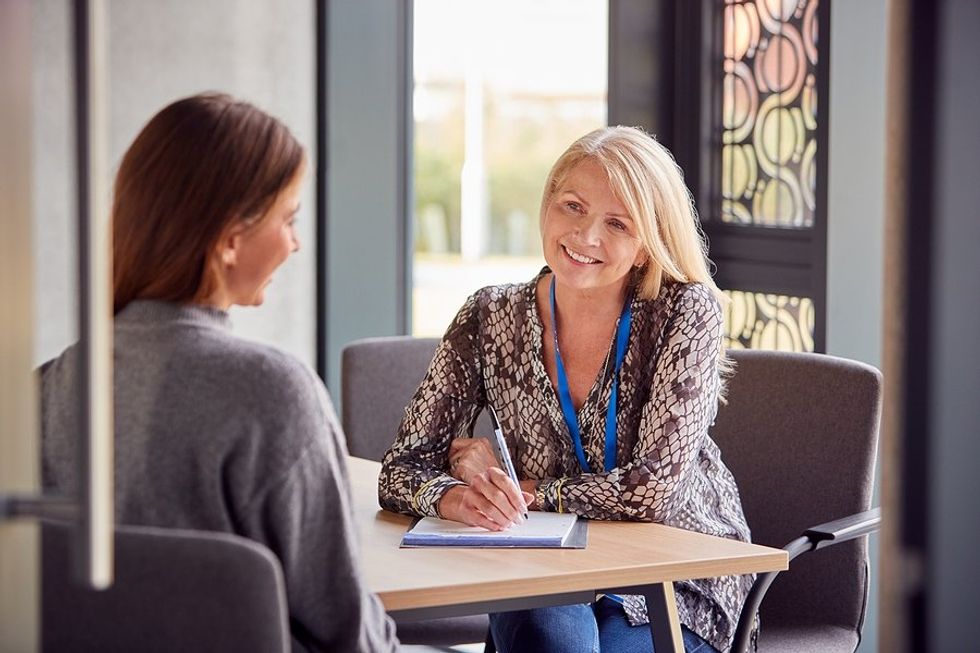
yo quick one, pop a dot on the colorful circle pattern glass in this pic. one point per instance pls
(769, 113)
(765, 321)
(768, 152)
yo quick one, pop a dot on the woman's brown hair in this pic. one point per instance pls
(198, 165)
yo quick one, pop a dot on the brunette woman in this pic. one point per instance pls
(212, 431)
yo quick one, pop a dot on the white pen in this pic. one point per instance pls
(504, 454)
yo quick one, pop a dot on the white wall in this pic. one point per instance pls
(855, 189)
(855, 203)
(367, 174)
(262, 52)
(55, 239)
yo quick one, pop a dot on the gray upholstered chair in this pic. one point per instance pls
(800, 433)
(379, 376)
(174, 590)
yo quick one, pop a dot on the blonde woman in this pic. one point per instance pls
(605, 372)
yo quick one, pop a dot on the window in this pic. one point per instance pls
(767, 223)
(501, 89)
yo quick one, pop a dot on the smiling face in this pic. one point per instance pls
(589, 239)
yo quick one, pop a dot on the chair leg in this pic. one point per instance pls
(489, 646)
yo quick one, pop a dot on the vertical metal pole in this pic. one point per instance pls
(93, 554)
(894, 621)
(406, 175)
(321, 11)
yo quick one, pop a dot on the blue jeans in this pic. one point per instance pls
(601, 626)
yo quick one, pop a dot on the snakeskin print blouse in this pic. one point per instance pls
(669, 469)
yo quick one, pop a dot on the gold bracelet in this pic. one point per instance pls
(422, 489)
(561, 508)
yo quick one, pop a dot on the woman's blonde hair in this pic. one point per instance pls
(646, 179)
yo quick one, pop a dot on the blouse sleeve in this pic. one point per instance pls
(414, 472)
(674, 421)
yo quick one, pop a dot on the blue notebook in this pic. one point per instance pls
(541, 530)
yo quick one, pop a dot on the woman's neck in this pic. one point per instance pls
(598, 303)
(218, 297)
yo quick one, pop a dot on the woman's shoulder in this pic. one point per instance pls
(264, 386)
(202, 349)
(508, 301)
(59, 373)
(506, 294)
(268, 366)
(678, 297)
(691, 308)
(491, 311)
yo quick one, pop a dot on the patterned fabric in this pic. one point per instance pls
(669, 470)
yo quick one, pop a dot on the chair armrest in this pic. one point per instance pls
(841, 530)
(817, 537)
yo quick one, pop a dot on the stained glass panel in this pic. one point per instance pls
(764, 321)
(769, 113)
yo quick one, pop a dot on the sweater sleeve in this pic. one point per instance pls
(305, 517)
(414, 472)
(675, 418)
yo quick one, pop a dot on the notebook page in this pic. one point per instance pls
(540, 529)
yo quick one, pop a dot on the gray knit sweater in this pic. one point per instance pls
(217, 433)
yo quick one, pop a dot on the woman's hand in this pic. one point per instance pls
(491, 501)
(469, 457)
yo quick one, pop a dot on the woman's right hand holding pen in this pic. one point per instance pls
(490, 499)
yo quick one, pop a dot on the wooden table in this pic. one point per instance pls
(621, 558)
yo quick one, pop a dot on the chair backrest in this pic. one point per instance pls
(379, 376)
(800, 434)
(174, 590)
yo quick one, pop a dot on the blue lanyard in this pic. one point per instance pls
(565, 395)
